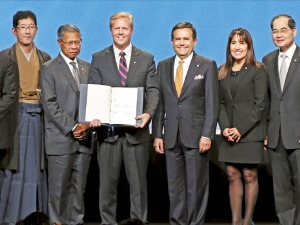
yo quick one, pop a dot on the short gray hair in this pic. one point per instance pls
(67, 28)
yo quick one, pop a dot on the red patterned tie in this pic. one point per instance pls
(123, 68)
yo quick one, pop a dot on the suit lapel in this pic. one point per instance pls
(170, 74)
(67, 73)
(192, 71)
(242, 74)
(111, 60)
(226, 84)
(134, 63)
(274, 70)
(293, 65)
(83, 71)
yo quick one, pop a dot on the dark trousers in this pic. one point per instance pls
(188, 183)
(67, 182)
(135, 158)
(286, 182)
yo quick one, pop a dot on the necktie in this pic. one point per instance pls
(179, 77)
(75, 73)
(283, 71)
(123, 68)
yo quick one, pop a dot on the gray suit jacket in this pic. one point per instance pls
(284, 113)
(245, 106)
(60, 99)
(9, 90)
(194, 113)
(142, 73)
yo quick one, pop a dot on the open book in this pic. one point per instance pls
(111, 105)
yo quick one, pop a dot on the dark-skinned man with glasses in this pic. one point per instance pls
(67, 145)
(23, 181)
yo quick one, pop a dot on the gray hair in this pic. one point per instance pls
(67, 28)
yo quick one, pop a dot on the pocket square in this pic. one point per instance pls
(199, 77)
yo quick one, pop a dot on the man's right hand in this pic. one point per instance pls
(159, 145)
(81, 131)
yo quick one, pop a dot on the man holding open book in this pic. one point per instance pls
(123, 65)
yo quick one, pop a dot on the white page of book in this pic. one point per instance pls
(123, 108)
(98, 103)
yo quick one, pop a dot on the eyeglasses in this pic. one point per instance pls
(281, 31)
(24, 28)
(70, 43)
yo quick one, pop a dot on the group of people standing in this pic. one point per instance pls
(254, 103)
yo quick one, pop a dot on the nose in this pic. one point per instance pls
(27, 30)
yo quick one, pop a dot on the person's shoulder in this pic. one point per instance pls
(103, 52)
(44, 54)
(167, 60)
(6, 51)
(205, 59)
(270, 55)
(136, 50)
(4, 57)
(83, 62)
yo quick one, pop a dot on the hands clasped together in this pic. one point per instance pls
(232, 134)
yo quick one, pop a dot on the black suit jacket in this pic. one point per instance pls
(142, 73)
(9, 90)
(284, 116)
(194, 113)
(245, 106)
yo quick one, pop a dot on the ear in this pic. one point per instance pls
(295, 31)
(14, 31)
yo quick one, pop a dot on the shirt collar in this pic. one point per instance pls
(187, 60)
(290, 52)
(67, 59)
(126, 50)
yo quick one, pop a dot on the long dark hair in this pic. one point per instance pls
(245, 36)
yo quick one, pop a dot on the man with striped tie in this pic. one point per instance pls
(124, 65)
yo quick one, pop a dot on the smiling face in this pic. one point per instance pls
(238, 48)
(282, 35)
(25, 31)
(183, 42)
(121, 31)
(70, 44)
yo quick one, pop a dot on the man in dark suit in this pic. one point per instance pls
(24, 194)
(9, 90)
(187, 112)
(67, 145)
(283, 67)
(128, 144)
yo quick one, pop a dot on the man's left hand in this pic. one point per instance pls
(144, 119)
(204, 144)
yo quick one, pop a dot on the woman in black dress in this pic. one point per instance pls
(242, 119)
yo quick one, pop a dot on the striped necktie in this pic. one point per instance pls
(123, 68)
